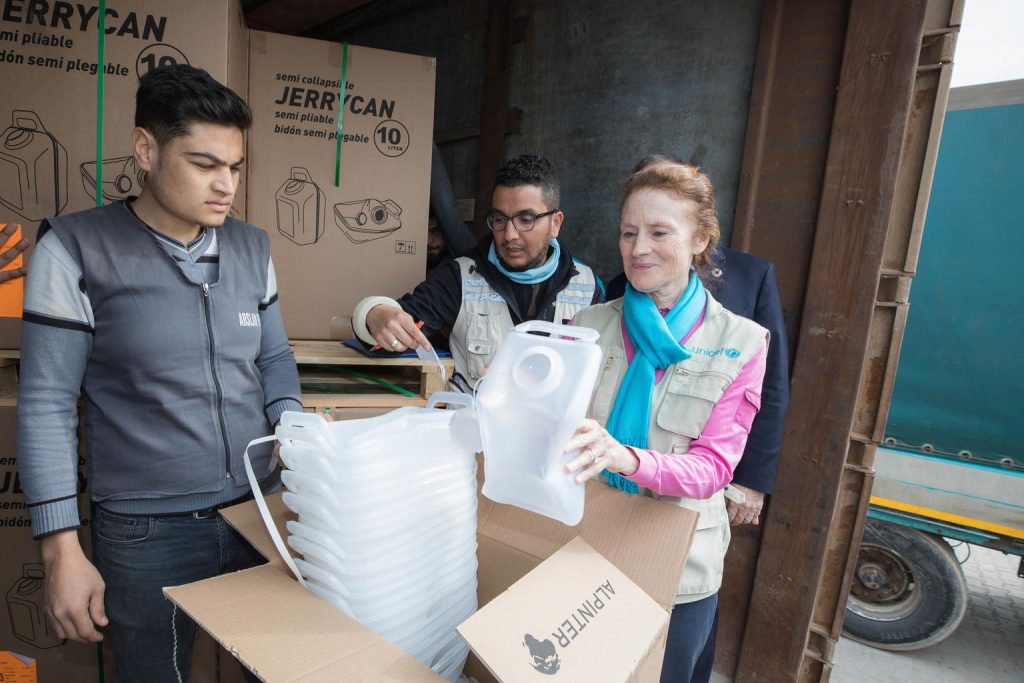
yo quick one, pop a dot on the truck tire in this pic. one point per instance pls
(908, 589)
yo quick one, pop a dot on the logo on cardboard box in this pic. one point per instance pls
(543, 654)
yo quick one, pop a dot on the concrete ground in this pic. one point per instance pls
(988, 647)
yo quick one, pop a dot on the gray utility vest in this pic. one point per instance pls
(680, 407)
(172, 392)
(484, 318)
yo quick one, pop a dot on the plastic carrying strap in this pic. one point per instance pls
(576, 332)
(261, 503)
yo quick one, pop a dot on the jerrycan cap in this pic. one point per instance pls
(538, 371)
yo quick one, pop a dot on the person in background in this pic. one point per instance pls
(746, 285)
(437, 250)
(161, 313)
(517, 273)
(680, 388)
(11, 253)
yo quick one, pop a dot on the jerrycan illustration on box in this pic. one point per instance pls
(368, 219)
(33, 168)
(301, 208)
(121, 178)
(25, 609)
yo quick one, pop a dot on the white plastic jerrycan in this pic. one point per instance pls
(529, 405)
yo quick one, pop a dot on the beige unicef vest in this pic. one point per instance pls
(484, 319)
(680, 407)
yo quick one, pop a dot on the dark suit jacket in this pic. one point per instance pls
(747, 287)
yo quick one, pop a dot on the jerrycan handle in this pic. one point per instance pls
(582, 333)
(28, 120)
(305, 427)
(299, 173)
(451, 398)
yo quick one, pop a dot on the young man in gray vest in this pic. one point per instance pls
(517, 273)
(161, 312)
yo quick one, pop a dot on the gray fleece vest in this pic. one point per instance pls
(172, 392)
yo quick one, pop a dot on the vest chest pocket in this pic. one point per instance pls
(689, 399)
(479, 356)
(479, 344)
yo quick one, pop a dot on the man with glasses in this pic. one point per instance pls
(517, 273)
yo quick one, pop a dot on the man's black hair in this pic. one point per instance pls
(172, 98)
(530, 169)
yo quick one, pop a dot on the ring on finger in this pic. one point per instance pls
(394, 342)
(592, 456)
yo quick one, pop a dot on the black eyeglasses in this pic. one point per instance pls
(523, 222)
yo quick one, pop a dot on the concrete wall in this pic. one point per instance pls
(601, 84)
(454, 32)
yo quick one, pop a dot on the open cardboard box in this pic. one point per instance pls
(598, 604)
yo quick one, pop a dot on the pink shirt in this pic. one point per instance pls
(709, 463)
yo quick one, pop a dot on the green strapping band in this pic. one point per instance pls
(100, 59)
(370, 378)
(341, 111)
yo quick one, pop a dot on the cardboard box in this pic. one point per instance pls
(48, 116)
(24, 630)
(282, 632)
(569, 614)
(333, 245)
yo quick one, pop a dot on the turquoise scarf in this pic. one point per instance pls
(533, 275)
(656, 340)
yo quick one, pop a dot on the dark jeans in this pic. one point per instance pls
(137, 557)
(690, 652)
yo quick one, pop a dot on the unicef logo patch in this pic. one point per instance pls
(731, 352)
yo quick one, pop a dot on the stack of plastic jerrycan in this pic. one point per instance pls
(529, 405)
(387, 521)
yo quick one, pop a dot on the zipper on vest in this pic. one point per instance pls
(216, 382)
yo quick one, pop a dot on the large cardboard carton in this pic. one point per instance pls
(48, 120)
(24, 630)
(569, 615)
(638, 545)
(334, 244)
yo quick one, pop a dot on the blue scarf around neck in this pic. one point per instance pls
(656, 341)
(533, 275)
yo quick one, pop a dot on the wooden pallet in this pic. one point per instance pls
(335, 379)
(329, 364)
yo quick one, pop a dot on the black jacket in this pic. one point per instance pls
(437, 300)
(747, 287)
